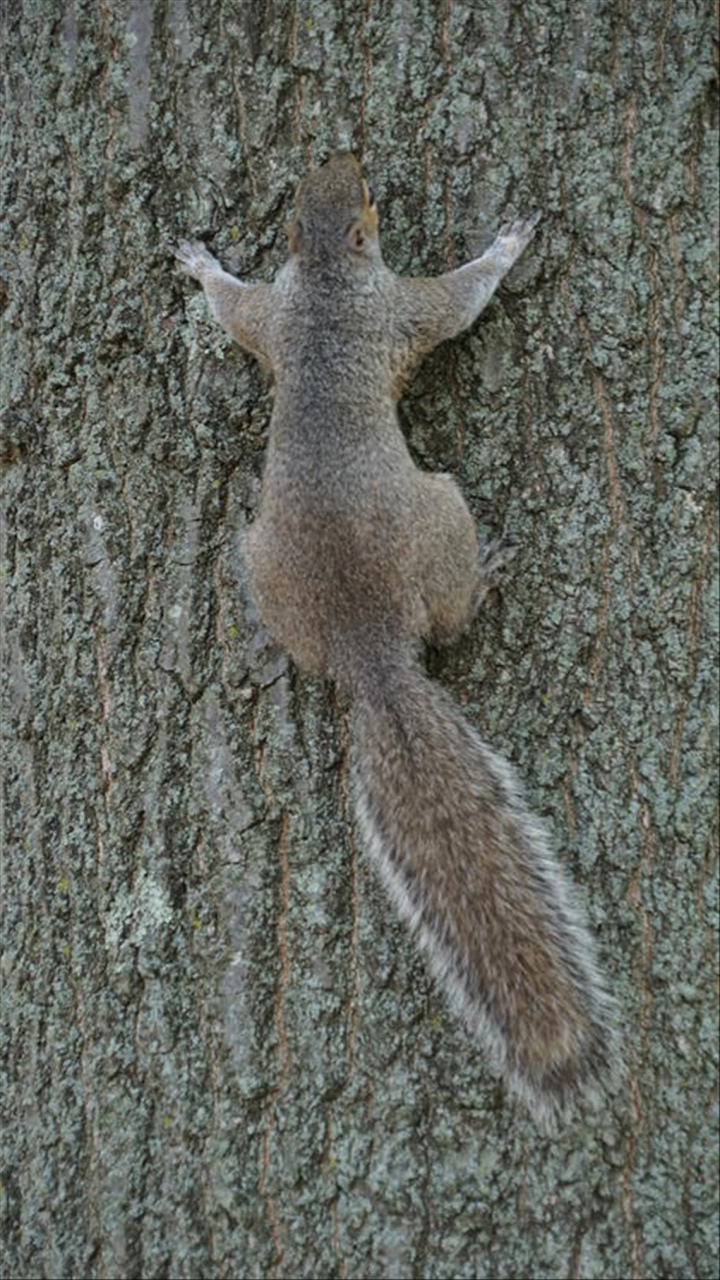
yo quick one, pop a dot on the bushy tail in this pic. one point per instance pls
(471, 870)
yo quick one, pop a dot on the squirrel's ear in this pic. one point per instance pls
(294, 234)
(356, 237)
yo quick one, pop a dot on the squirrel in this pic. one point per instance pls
(356, 557)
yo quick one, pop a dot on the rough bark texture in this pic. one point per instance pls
(222, 1055)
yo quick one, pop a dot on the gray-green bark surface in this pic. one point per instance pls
(222, 1055)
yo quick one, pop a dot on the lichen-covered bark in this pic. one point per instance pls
(221, 1053)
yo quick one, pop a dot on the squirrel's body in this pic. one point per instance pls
(355, 557)
(322, 561)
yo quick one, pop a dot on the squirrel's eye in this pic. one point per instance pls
(371, 196)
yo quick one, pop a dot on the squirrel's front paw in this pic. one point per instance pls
(195, 259)
(515, 236)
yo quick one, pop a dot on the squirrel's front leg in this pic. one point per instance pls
(432, 308)
(243, 310)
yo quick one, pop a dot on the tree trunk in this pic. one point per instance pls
(222, 1054)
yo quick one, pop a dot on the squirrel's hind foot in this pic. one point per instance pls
(493, 558)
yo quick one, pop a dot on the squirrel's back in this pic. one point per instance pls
(338, 542)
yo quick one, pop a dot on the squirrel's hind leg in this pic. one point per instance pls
(449, 560)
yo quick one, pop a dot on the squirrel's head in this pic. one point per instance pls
(335, 212)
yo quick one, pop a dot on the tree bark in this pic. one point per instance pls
(222, 1053)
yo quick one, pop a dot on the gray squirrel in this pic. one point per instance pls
(355, 557)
